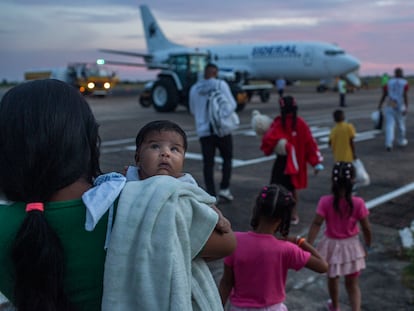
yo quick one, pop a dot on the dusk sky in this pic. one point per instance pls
(37, 34)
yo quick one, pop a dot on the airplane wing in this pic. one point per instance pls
(147, 58)
(114, 62)
(126, 53)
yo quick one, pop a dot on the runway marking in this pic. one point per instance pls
(316, 132)
(390, 195)
(321, 134)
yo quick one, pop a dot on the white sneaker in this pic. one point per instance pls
(226, 194)
(403, 143)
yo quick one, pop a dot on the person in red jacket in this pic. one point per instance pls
(290, 138)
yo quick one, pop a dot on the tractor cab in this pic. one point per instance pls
(173, 83)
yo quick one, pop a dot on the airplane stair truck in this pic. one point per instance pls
(89, 78)
(182, 70)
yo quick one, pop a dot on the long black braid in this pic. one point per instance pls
(288, 106)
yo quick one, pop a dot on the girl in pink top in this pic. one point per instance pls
(255, 274)
(340, 244)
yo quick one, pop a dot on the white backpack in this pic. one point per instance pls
(223, 118)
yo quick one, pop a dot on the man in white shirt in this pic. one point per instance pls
(280, 85)
(395, 110)
(209, 141)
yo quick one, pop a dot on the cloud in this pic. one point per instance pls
(376, 32)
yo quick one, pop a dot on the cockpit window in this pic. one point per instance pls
(334, 52)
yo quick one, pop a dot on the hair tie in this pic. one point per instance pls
(38, 206)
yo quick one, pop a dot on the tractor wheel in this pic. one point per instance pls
(264, 96)
(144, 101)
(164, 95)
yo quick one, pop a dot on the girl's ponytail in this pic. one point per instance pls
(343, 179)
(38, 259)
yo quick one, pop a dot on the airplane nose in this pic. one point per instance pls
(352, 71)
(342, 65)
(353, 63)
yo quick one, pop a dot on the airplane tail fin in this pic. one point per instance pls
(155, 38)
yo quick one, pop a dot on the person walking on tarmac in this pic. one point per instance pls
(395, 111)
(384, 79)
(255, 274)
(290, 137)
(280, 85)
(209, 141)
(342, 91)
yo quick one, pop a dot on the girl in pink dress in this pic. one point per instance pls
(340, 244)
(255, 274)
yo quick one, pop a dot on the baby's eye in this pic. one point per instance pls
(176, 149)
(155, 146)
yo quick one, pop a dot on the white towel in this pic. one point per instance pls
(132, 175)
(160, 226)
(101, 198)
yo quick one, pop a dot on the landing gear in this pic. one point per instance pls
(264, 96)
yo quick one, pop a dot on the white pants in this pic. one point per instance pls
(394, 118)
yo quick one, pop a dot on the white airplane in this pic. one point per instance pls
(291, 60)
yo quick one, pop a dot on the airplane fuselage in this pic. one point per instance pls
(291, 60)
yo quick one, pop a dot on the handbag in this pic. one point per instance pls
(361, 175)
(377, 117)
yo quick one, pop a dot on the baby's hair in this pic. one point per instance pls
(343, 178)
(160, 126)
(274, 202)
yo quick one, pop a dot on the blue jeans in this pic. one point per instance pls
(394, 118)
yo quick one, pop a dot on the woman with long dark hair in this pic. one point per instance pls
(290, 137)
(49, 157)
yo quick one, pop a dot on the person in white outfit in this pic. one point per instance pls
(280, 85)
(208, 140)
(395, 94)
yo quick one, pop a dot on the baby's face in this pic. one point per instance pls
(161, 153)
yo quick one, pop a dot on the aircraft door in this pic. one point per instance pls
(308, 56)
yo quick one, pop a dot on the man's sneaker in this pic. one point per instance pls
(403, 143)
(226, 194)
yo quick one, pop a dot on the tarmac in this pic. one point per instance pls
(381, 283)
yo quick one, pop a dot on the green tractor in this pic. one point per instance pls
(173, 84)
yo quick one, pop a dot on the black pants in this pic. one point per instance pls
(342, 100)
(278, 174)
(208, 149)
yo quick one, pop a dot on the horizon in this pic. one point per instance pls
(376, 32)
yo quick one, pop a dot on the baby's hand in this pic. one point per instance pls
(223, 224)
